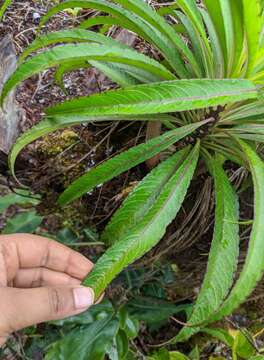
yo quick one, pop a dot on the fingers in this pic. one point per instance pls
(37, 277)
(29, 251)
(3, 270)
(33, 306)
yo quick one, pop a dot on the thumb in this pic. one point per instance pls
(21, 308)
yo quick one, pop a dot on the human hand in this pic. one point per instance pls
(39, 281)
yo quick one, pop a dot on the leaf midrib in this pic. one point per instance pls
(156, 216)
(149, 103)
(134, 240)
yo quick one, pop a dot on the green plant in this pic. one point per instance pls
(99, 331)
(4, 7)
(163, 354)
(206, 90)
(24, 221)
(241, 342)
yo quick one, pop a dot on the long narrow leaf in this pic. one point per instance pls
(255, 137)
(252, 21)
(123, 75)
(69, 36)
(249, 128)
(227, 16)
(223, 256)
(123, 162)
(247, 111)
(218, 56)
(128, 20)
(238, 34)
(101, 5)
(4, 7)
(178, 95)
(120, 75)
(143, 10)
(148, 232)
(191, 9)
(141, 199)
(215, 12)
(89, 52)
(194, 39)
(254, 263)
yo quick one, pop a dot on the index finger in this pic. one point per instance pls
(31, 251)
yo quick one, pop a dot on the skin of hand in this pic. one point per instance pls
(40, 280)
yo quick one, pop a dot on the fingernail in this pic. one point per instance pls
(83, 297)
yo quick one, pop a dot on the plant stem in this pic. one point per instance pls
(96, 243)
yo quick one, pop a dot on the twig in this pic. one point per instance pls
(96, 243)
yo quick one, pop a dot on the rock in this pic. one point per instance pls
(36, 18)
(11, 114)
